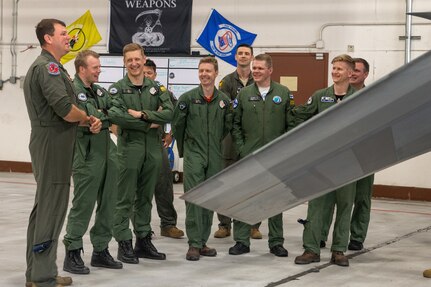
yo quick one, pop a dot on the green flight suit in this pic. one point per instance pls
(327, 217)
(49, 96)
(256, 122)
(361, 211)
(139, 153)
(95, 173)
(231, 85)
(199, 128)
(164, 192)
(343, 197)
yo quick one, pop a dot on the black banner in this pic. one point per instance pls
(160, 26)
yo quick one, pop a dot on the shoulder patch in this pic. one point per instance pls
(220, 84)
(161, 86)
(291, 100)
(310, 100)
(113, 91)
(53, 69)
(182, 106)
(235, 103)
(82, 97)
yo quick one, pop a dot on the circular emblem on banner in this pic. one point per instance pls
(225, 40)
(82, 97)
(77, 38)
(277, 100)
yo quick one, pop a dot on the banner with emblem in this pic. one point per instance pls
(161, 27)
(221, 37)
(83, 34)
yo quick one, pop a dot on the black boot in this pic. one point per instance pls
(104, 259)
(125, 252)
(145, 249)
(73, 262)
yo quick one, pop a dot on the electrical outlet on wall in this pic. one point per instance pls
(350, 48)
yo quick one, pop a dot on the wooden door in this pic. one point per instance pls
(302, 73)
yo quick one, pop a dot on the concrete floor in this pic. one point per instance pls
(397, 251)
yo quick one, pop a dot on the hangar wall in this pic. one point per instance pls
(371, 27)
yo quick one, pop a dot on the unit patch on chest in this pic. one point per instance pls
(113, 91)
(182, 106)
(277, 100)
(82, 97)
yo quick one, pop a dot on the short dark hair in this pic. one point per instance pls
(46, 26)
(364, 62)
(246, 46)
(210, 60)
(81, 58)
(150, 63)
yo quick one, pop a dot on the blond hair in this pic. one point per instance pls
(346, 59)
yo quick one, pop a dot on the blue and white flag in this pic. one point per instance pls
(221, 37)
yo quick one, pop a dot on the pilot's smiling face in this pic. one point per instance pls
(134, 62)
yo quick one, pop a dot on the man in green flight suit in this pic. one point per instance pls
(51, 106)
(94, 173)
(164, 192)
(202, 118)
(342, 67)
(364, 186)
(261, 114)
(231, 84)
(137, 104)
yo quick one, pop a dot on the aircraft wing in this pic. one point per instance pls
(380, 126)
